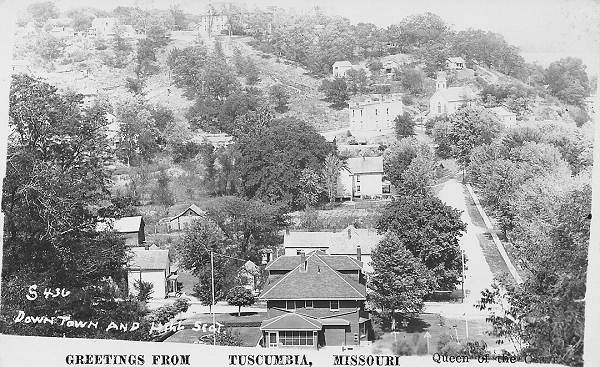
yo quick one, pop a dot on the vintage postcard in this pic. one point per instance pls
(299, 183)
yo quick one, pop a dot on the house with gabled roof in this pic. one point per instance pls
(362, 177)
(455, 63)
(351, 241)
(315, 300)
(186, 218)
(152, 266)
(132, 229)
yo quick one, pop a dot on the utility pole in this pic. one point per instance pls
(212, 278)
(462, 256)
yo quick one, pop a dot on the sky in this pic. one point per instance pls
(545, 30)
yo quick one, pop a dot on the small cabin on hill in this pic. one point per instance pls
(186, 218)
(130, 228)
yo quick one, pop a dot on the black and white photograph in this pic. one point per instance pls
(262, 182)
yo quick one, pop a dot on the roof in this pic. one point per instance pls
(456, 60)
(291, 321)
(336, 262)
(398, 58)
(342, 63)
(502, 111)
(121, 225)
(194, 208)
(150, 259)
(335, 243)
(454, 94)
(365, 165)
(319, 281)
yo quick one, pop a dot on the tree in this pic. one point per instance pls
(240, 296)
(143, 290)
(400, 281)
(229, 338)
(42, 11)
(568, 80)
(468, 128)
(417, 30)
(413, 80)
(251, 72)
(271, 161)
(312, 187)
(157, 35)
(430, 230)
(55, 182)
(336, 91)
(357, 81)
(405, 126)
(187, 68)
(162, 194)
(49, 48)
(138, 138)
(279, 97)
(331, 173)
(409, 164)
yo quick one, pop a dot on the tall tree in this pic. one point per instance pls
(400, 281)
(430, 230)
(404, 125)
(55, 182)
(568, 80)
(331, 174)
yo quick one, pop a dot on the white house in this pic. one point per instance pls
(213, 24)
(350, 241)
(340, 68)
(104, 27)
(130, 228)
(506, 116)
(186, 218)
(151, 266)
(374, 112)
(446, 100)
(361, 177)
(455, 63)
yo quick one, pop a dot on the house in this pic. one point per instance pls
(351, 241)
(506, 116)
(60, 27)
(211, 24)
(446, 100)
(362, 177)
(340, 68)
(153, 266)
(455, 63)
(186, 218)
(130, 228)
(374, 112)
(392, 63)
(315, 300)
(103, 27)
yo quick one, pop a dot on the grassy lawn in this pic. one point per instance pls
(411, 337)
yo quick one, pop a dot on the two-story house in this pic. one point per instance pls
(362, 177)
(315, 300)
(132, 229)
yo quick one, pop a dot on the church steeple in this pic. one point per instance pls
(440, 81)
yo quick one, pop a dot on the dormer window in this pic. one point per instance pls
(334, 305)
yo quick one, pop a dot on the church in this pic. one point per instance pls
(446, 100)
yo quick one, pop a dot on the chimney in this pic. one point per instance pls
(349, 233)
(358, 253)
(303, 262)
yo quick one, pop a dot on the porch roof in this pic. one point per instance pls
(291, 321)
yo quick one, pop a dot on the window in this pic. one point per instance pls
(357, 178)
(309, 304)
(439, 107)
(358, 188)
(299, 252)
(360, 113)
(334, 305)
(290, 305)
(299, 304)
(352, 113)
(376, 112)
(387, 111)
(296, 337)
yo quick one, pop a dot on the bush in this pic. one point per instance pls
(144, 290)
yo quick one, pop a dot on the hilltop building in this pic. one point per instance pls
(374, 112)
(446, 100)
(455, 63)
(186, 218)
(315, 300)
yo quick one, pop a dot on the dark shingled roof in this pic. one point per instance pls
(319, 281)
(337, 262)
(150, 259)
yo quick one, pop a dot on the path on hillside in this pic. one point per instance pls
(478, 275)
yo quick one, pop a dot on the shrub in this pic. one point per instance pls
(144, 290)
